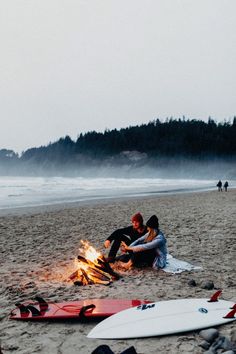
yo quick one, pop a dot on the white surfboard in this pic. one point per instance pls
(164, 317)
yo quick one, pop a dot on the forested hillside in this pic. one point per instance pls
(153, 144)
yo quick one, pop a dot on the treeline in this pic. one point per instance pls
(172, 139)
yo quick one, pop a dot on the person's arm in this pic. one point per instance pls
(158, 241)
(140, 239)
(117, 233)
(120, 232)
(134, 245)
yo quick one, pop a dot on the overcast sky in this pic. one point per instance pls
(70, 66)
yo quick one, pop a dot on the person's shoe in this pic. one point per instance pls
(103, 349)
(130, 350)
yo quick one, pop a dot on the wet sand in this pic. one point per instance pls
(38, 248)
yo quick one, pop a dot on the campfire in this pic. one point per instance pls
(92, 267)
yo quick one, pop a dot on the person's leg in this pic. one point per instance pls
(125, 257)
(116, 245)
(125, 265)
(143, 257)
(140, 259)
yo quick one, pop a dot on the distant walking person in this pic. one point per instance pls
(219, 185)
(226, 185)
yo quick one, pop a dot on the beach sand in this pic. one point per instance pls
(38, 249)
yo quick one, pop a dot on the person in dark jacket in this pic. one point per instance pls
(127, 235)
(226, 185)
(219, 185)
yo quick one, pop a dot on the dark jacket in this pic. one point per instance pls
(130, 233)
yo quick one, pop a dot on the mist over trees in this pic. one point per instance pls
(155, 145)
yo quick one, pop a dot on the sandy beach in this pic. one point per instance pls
(38, 248)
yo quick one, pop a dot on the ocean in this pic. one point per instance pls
(16, 192)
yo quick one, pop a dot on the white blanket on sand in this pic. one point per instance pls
(175, 266)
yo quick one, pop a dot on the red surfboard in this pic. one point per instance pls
(83, 309)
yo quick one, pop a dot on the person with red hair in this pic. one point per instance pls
(127, 235)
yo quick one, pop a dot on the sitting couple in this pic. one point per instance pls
(141, 244)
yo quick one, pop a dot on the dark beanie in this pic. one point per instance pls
(137, 217)
(153, 222)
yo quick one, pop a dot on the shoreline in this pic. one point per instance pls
(39, 248)
(51, 207)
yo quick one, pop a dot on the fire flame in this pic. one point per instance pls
(92, 267)
(89, 252)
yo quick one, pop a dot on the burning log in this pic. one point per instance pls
(93, 269)
(107, 268)
(86, 277)
(102, 266)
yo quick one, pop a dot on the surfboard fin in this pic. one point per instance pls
(34, 311)
(23, 309)
(83, 310)
(231, 313)
(43, 305)
(215, 296)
